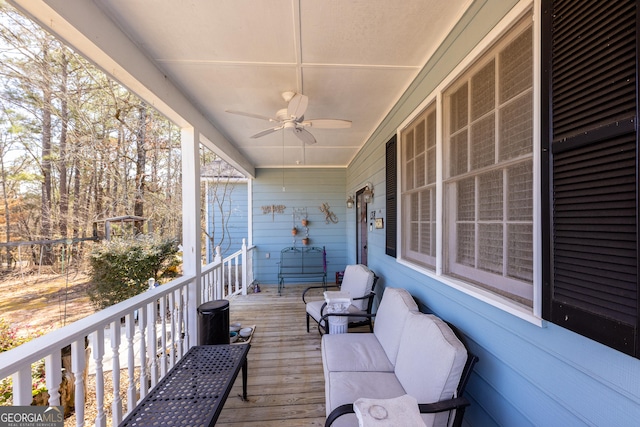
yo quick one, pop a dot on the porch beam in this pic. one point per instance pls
(88, 29)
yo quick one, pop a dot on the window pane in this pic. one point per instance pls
(491, 207)
(483, 94)
(459, 105)
(409, 175)
(431, 166)
(516, 128)
(465, 251)
(490, 241)
(520, 192)
(425, 230)
(408, 145)
(415, 230)
(516, 71)
(458, 154)
(431, 129)
(466, 200)
(431, 148)
(520, 256)
(420, 172)
(483, 143)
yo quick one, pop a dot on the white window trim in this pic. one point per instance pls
(531, 315)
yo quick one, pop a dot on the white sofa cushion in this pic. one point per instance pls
(394, 307)
(430, 361)
(354, 352)
(357, 280)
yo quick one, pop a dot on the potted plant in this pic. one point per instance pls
(294, 231)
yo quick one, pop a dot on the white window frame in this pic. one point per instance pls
(530, 314)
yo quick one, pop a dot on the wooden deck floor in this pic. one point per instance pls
(285, 379)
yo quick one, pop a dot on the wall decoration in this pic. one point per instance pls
(300, 214)
(273, 209)
(328, 215)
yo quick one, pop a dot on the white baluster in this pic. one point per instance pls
(129, 328)
(78, 363)
(53, 370)
(142, 324)
(97, 339)
(152, 342)
(236, 288)
(245, 265)
(178, 322)
(116, 405)
(22, 386)
(172, 350)
(219, 274)
(163, 335)
(186, 342)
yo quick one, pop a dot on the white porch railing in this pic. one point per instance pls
(154, 327)
(230, 276)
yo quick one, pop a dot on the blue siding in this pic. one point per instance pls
(227, 217)
(304, 188)
(527, 375)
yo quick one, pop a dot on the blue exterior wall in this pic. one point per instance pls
(304, 188)
(527, 375)
(227, 216)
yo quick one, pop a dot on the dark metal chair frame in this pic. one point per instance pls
(367, 314)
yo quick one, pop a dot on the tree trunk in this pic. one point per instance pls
(45, 212)
(138, 206)
(7, 216)
(62, 162)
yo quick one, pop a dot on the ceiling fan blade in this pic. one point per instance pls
(255, 116)
(304, 136)
(327, 123)
(298, 105)
(267, 132)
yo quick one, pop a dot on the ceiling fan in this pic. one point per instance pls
(292, 118)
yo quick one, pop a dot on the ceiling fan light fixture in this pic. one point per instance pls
(292, 118)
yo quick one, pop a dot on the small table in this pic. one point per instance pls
(194, 391)
(338, 302)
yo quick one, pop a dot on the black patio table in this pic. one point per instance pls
(194, 391)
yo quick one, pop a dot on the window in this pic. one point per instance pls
(467, 213)
(419, 189)
(488, 185)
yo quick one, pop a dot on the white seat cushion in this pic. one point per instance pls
(357, 280)
(354, 352)
(389, 321)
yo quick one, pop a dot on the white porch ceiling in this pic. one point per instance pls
(352, 58)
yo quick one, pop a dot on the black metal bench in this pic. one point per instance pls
(301, 263)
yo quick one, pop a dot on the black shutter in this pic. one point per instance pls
(590, 169)
(392, 204)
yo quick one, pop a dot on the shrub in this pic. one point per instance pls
(9, 339)
(121, 269)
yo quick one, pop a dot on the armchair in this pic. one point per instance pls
(359, 281)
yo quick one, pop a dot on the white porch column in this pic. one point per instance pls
(191, 232)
